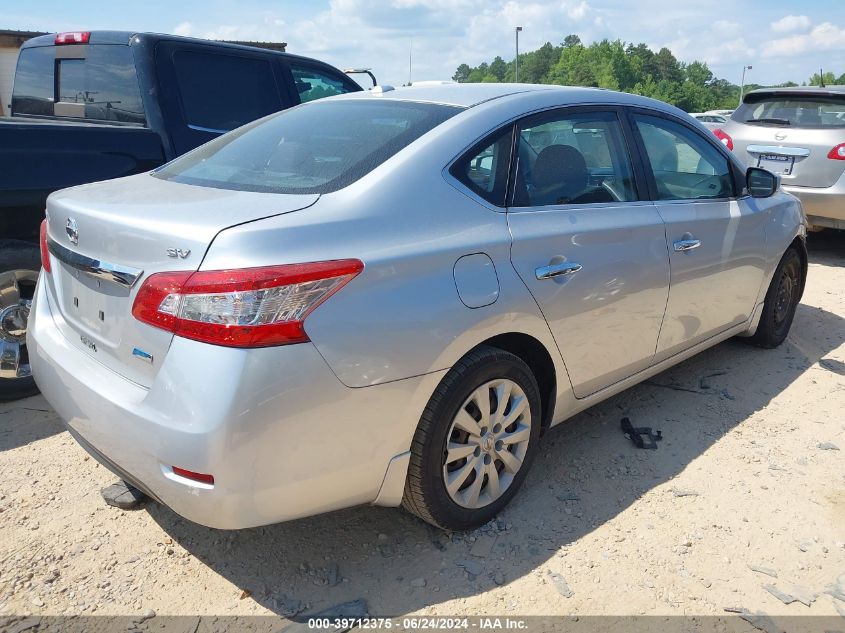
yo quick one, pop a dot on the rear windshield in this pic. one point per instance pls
(315, 148)
(95, 82)
(802, 111)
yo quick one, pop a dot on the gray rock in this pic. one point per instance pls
(827, 446)
(798, 594)
(559, 583)
(499, 578)
(684, 493)
(471, 567)
(418, 582)
(763, 570)
(483, 546)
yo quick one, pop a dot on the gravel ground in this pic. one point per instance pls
(741, 506)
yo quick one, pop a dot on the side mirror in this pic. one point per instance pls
(761, 183)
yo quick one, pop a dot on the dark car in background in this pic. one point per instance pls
(90, 106)
(798, 133)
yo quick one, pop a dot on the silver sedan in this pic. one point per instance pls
(386, 298)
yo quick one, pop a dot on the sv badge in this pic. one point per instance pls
(178, 253)
(87, 342)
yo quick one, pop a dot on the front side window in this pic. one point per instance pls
(484, 169)
(315, 148)
(685, 165)
(573, 158)
(222, 92)
(314, 84)
(101, 84)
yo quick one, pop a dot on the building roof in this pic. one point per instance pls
(14, 39)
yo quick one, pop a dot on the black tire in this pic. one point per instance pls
(16, 255)
(425, 488)
(781, 301)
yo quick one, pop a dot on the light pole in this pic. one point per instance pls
(742, 87)
(516, 61)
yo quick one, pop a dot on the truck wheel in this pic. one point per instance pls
(19, 266)
(475, 441)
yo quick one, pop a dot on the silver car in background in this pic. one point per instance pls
(799, 134)
(388, 297)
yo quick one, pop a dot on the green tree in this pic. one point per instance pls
(462, 74)
(829, 79)
(498, 68)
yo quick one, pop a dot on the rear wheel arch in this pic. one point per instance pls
(534, 354)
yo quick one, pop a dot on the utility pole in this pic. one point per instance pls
(410, 59)
(742, 87)
(516, 61)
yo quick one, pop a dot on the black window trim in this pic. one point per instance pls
(558, 111)
(737, 173)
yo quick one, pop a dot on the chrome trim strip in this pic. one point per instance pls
(799, 152)
(103, 271)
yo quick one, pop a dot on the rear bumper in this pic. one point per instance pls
(279, 432)
(822, 206)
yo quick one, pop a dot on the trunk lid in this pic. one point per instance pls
(107, 238)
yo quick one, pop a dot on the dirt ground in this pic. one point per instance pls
(746, 490)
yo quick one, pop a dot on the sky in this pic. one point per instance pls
(782, 40)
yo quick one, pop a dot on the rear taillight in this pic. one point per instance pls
(74, 37)
(727, 141)
(45, 253)
(837, 153)
(250, 307)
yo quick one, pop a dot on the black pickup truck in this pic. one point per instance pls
(90, 106)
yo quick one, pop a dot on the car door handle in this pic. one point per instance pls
(682, 246)
(556, 270)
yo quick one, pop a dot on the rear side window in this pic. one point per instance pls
(314, 84)
(314, 148)
(95, 82)
(484, 169)
(222, 92)
(801, 111)
(685, 166)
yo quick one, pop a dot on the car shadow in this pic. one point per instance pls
(26, 421)
(586, 473)
(827, 247)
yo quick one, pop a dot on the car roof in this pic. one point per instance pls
(467, 95)
(813, 90)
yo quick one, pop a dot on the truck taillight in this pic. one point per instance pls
(249, 307)
(73, 37)
(837, 153)
(45, 253)
(727, 141)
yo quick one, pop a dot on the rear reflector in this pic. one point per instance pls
(74, 37)
(249, 307)
(837, 153)
(45, 254)
(727, 141)
(189, 474)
